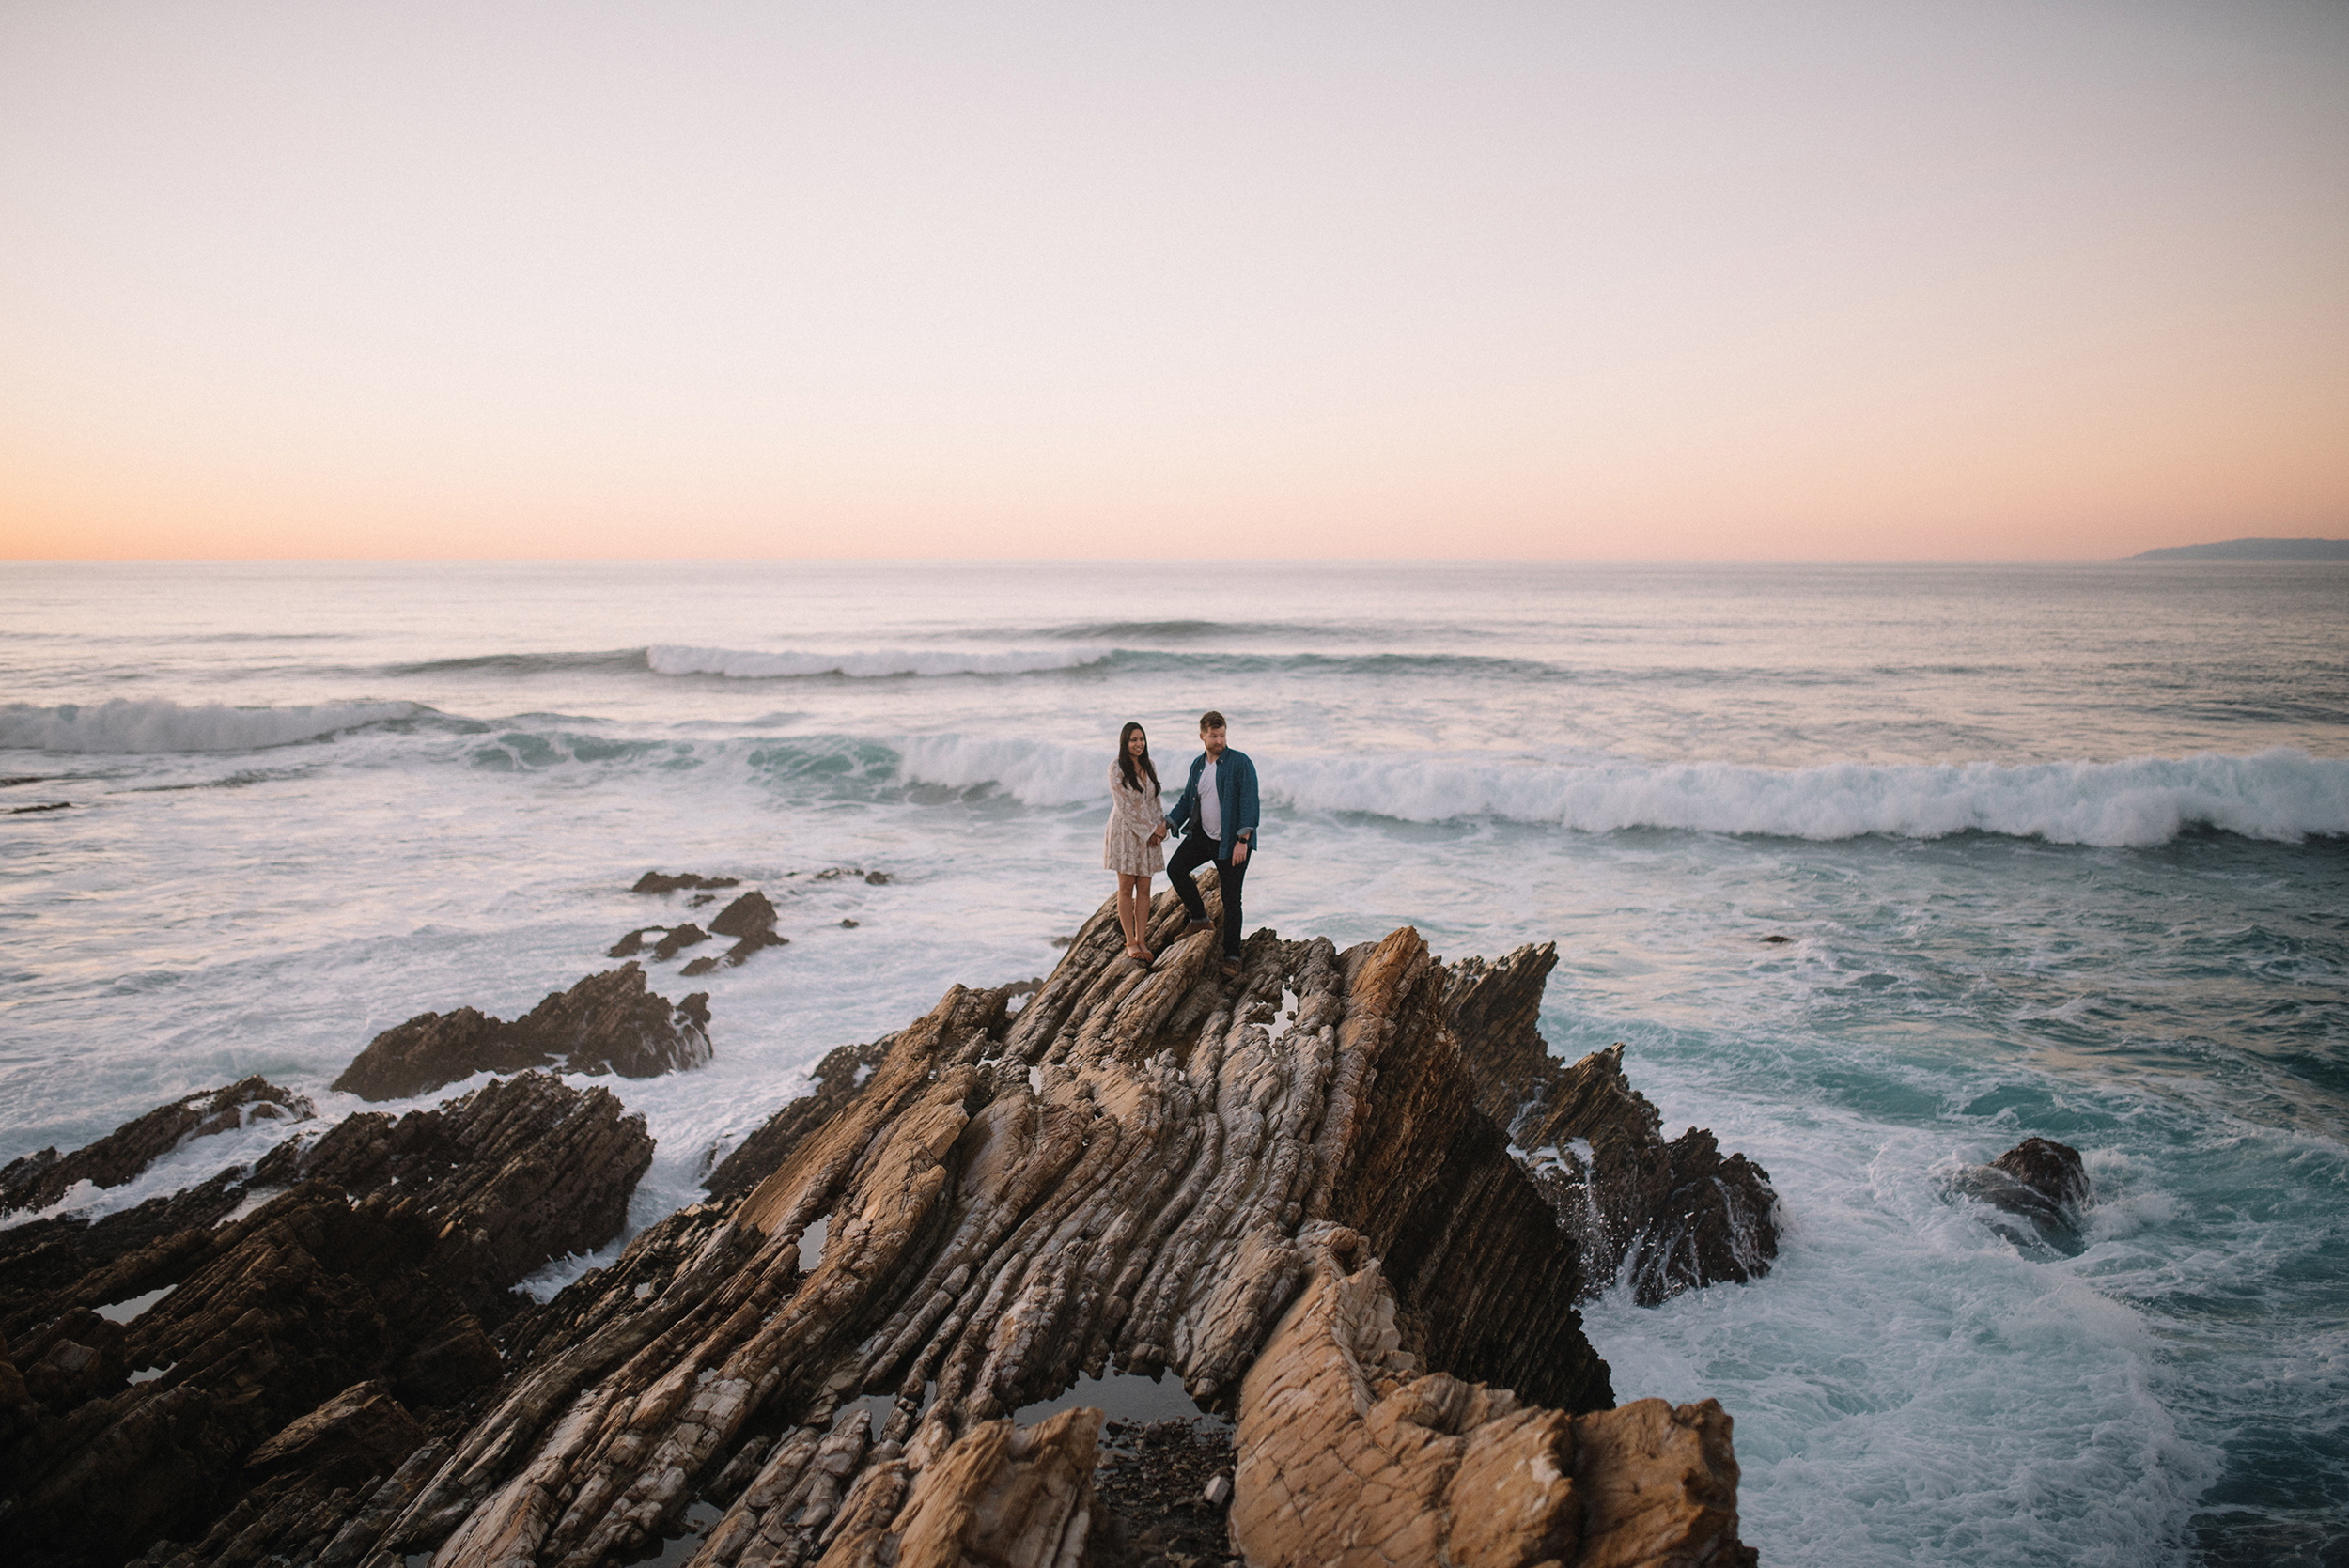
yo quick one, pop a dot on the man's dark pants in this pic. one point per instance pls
(1193, 852)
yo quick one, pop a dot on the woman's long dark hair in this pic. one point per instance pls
(1126, 760)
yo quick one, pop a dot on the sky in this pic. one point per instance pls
(1871, 281)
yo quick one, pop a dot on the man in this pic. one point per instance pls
(1219, 809)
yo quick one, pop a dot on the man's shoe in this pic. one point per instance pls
(1196, 926)
(1231, 969)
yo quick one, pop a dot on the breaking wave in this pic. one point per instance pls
(742, 664)
(2281, 795)
(154, 725)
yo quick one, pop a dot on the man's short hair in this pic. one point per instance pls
(1210, 719)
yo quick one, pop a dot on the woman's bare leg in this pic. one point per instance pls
(1126, 921)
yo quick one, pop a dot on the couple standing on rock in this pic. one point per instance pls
(1216, 813)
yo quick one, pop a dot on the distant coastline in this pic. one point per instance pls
(2252, 549)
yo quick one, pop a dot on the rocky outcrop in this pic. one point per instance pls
(1671, 1216)
(1350, 1452)
(518, 1172)
(1494, 1009)
(39, 1180)
(607, 1023)
(1138, 1169)
(295, 1357)
(1276, 1189)
(2039, 1187)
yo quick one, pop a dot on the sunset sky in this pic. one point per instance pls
(1979, 280)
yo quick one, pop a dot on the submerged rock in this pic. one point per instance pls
(654, 881)
(39, 1180)
(2038, 1181)
(607, 1023)
(1674, 1216)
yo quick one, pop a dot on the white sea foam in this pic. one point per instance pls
(2281, 794)
(124, 725)
(746, 664)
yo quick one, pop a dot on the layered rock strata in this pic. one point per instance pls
(1277, 1189)
(1670, 1216)
(607, 1023)
(1351, 1454)
(276, 1366)
(39, 1180)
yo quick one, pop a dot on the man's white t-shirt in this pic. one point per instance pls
(1210, 805)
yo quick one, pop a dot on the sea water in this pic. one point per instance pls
(2056, 849)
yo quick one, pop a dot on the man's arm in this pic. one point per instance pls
(1247, 808)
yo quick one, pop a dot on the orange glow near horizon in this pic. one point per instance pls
(1967, 282)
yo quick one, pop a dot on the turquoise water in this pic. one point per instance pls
(2059, 851)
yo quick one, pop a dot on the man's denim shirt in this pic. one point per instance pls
(1235, 791)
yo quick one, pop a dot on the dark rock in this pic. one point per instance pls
(49, 805)
(699, 899)
(833, 873)
(41, 1179)
(518, 1172)
(2039, 1181)
(632, 944)
(678, 939)
(295, 1342)
(1679, 1214)
(847, 925)
(1774, 936)
(747, 916)
(361, 1433)
(654, 881)
(607, 1023)
(49, 1265)
(1495, 1008)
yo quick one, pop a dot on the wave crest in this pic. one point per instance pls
(2282, 795)
(153, 726)
(743, 664)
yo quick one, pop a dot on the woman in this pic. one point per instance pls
(1129, 845)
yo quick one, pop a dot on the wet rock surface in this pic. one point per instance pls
(2040, 1189)
(1276, 1189)
(39, 1180)
(1671, 1216)
(268, 1370)
(607, 1023)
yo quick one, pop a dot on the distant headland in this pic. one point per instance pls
(2253, 550)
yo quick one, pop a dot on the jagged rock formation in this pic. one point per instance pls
(389, 1274)
(39, 1180)
(1497, 1004)
(1679, 1214)
(1349, 1453)
(750, 920)
(607, 1023)
(1276, 1189)
(2039, 1182)
(1674, 1216)
(1138, 1167)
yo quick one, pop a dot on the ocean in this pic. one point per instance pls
(2058, 850)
